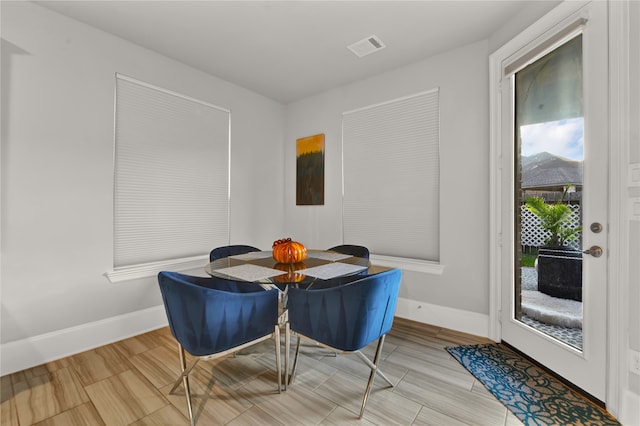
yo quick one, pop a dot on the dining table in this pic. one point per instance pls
(319, 269)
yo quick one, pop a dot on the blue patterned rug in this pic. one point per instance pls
(532, 394)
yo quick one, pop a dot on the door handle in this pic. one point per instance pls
(595, 251)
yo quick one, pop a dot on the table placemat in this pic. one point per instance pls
(332, 270)
(252, 255)
(249, 272)
(329, 255)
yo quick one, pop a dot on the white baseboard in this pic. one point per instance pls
(22, 354)
(442, 316)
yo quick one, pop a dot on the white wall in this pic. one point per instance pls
(462, 77)
(57, 177)
(528, 15)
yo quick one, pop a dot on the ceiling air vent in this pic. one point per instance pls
(366, 46)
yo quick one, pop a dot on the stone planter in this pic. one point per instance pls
(560, 272)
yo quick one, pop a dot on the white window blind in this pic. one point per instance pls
(171, 176)
(392, 177)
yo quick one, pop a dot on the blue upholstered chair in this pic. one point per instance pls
(226, 251)
(212, 317)
(353, 250)
(345, 318)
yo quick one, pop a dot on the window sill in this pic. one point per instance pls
(417, 265)
(146, 270)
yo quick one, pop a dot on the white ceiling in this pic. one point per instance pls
(288, 50)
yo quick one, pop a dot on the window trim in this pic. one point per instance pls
(417, 265)
(151, 269)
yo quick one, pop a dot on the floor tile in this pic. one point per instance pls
(166, 416)
(98, 364)
(125, 398)
(42, 396)
(211, 402)
(451, 400)
(254, 416)
(82, 415)
(160, 365)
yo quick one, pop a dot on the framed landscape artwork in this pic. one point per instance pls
(310, 170)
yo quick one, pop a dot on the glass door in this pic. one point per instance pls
(553, 198)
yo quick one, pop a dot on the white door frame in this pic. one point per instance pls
(618, 289)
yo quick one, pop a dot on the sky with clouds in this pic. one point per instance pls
(564, 138)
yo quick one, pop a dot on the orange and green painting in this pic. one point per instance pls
(310, 170)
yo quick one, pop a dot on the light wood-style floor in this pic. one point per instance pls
(127, 383)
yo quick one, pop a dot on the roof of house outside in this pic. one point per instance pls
(548, 171)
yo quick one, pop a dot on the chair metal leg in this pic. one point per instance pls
(367, 361)
(288, 377)
(185, 371)
(287, 344)
(185, 380)
(372, 376)
(276, 337)
(295, 362)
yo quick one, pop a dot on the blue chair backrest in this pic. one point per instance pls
(346, 317)
(211, 315)
(353, 250)
(226, 251)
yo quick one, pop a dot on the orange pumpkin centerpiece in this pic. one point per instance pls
(287, 251)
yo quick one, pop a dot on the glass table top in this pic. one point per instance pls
(319, 266)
